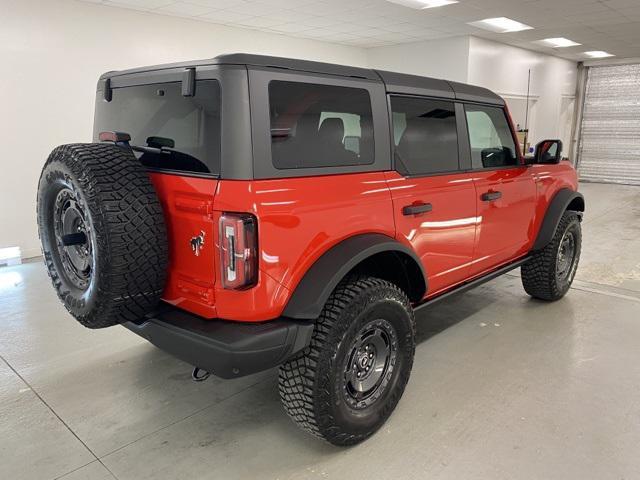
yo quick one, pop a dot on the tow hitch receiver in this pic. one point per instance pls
(199, 375)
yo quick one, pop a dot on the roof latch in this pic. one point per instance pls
(189, 82)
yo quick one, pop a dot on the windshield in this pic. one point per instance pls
(183, 133)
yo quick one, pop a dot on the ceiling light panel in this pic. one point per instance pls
(422, 4)
(501, 25)
(598, 54)
(559, 42)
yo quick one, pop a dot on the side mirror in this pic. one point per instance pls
(496, 157)
(548, 152)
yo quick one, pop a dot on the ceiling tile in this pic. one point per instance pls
(184, 9)
(217, 4)
(289, 16)
(374, 21)
(316, 21)
(142, 5)
(598, 24)
(253, 9)
(259, 22)
(276, 5)
(317, 8)
(319, 33)
(290, 28)
(223, 16)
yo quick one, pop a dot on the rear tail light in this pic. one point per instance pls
(238, 250)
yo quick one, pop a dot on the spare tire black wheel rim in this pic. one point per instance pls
(73, 240)
(369, 364)
(566, 256)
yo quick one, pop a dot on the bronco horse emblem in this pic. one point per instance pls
(197, 243)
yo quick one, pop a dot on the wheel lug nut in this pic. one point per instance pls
(371, 355)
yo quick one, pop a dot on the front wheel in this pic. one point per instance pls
(550, 272)
(344, 386)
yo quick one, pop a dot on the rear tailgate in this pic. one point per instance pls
(188, 206)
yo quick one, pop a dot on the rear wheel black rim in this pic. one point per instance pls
(72, 237)
(369, 365)
(566, 256)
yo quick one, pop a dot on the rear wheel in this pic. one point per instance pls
(344, 386)
(102, 232)
(550, 272)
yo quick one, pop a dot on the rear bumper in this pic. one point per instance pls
(226, 349)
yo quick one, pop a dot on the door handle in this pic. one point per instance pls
(491, 196)
(416, 209)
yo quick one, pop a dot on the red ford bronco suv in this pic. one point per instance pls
(247, 212)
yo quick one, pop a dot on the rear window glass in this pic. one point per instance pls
(316, 125)
(179, 133)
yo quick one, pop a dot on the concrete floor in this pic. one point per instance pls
(503, 387)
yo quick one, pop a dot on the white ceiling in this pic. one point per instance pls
(610, 25)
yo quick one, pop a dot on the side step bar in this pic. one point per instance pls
(473, 283)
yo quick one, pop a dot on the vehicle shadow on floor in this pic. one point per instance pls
(440, 316)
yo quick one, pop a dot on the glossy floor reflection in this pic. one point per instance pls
(503, 387)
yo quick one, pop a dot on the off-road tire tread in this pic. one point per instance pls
(303, 386)
(538, 273)
(130, 231)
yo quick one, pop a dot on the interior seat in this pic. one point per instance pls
(424, 141)
(330, 144)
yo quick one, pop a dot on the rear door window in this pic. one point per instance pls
(179, 133)
(490, 137)
(314, 125)
(424, 135)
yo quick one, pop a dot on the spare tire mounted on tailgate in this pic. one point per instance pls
(103, 233)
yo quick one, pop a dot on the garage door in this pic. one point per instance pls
(610, 140)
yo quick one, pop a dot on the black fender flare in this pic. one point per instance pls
(562, 200)
(323, 276)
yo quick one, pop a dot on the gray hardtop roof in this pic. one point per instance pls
(394, 82)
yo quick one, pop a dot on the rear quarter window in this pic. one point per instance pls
(314, 125)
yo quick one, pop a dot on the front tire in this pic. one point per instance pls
(550, 272)
(345, 385)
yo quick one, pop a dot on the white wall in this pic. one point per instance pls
(51, 55)
(447, 59)
(504, 69)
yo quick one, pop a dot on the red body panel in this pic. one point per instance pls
(549, 179)
(505, 226)
(187, 203)
(443, 238)
(298, 220)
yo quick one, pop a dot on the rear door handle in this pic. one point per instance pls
(491, 196)
(417, 208)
